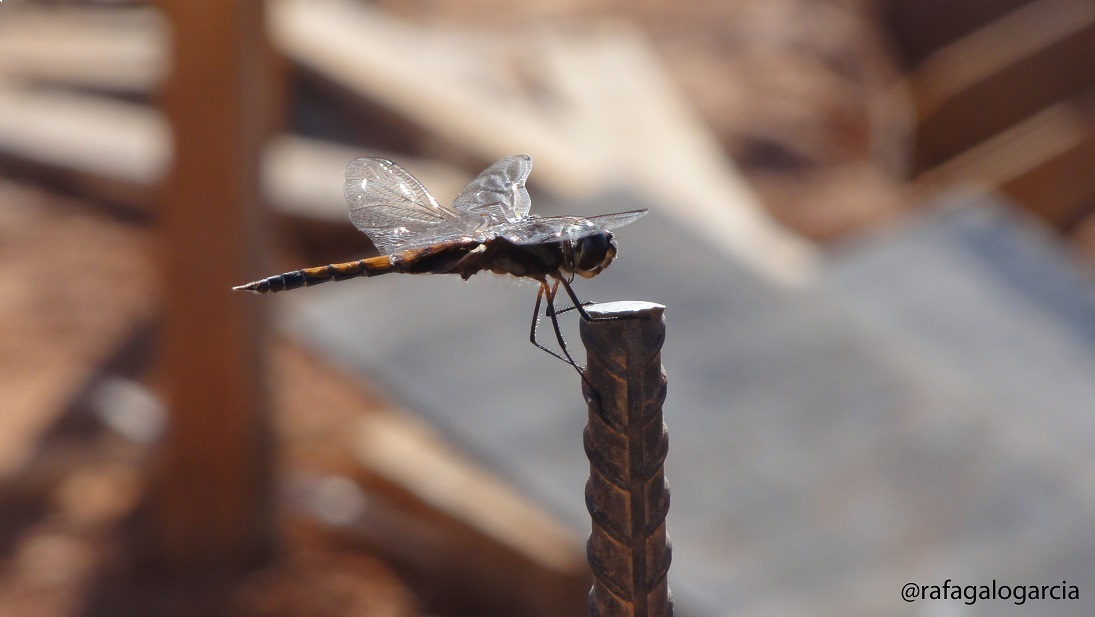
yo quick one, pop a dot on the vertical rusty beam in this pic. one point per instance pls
(626, 442)
(211, 508)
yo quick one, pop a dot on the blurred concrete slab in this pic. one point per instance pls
(820, 458)
(991, 295)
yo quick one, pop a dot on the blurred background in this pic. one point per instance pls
(872, 223)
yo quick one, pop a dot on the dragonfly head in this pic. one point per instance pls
(593, 253)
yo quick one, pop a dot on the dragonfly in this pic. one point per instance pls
(487, 228)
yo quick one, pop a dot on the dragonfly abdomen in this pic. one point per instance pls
(373, 266)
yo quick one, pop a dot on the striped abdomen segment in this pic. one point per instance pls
(373, 266)
(434, 259)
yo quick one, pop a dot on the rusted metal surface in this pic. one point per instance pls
(626, 442)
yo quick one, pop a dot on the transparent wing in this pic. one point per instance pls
(535, 229)
(394, 209)
(499, 192)
(619, 219)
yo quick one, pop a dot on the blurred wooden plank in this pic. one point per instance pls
(120, 48)
(649, 140)
(1060, 188)
(303, 177)
(613, 120)
(433, 78)
(302, 182)
(464, 536)
(412, 456)
(112, 149)
(1043, 163)
(120, 151)
(213, 500)
(381, 478)
(1037, 55)
(920, 27)
(1083, 236)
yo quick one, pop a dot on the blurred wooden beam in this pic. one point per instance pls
(1061, 187)
(1084, 237)
(302, 178)
(212, 509)
(113, 48)
(106, 148)
(920, 27)
(1045, 163)
(120, 151)
(460, 535)
(374, 474)
(996, 77)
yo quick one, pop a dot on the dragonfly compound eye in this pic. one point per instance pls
(593, 253)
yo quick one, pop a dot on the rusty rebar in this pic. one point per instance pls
(626, 442)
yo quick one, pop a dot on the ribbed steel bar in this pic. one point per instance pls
(626, 442)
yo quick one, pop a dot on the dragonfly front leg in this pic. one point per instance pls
(578, 305)
(571, 308)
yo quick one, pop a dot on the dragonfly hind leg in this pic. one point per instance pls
(542, 293)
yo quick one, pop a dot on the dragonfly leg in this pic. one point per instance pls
(574, 306)
(554, 314)
(542, 293)
(578, 305)
(592, 390)
(571, 308)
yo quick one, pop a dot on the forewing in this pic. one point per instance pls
(392, 207)
(619, 219)
(499, 192)
(535, 229)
